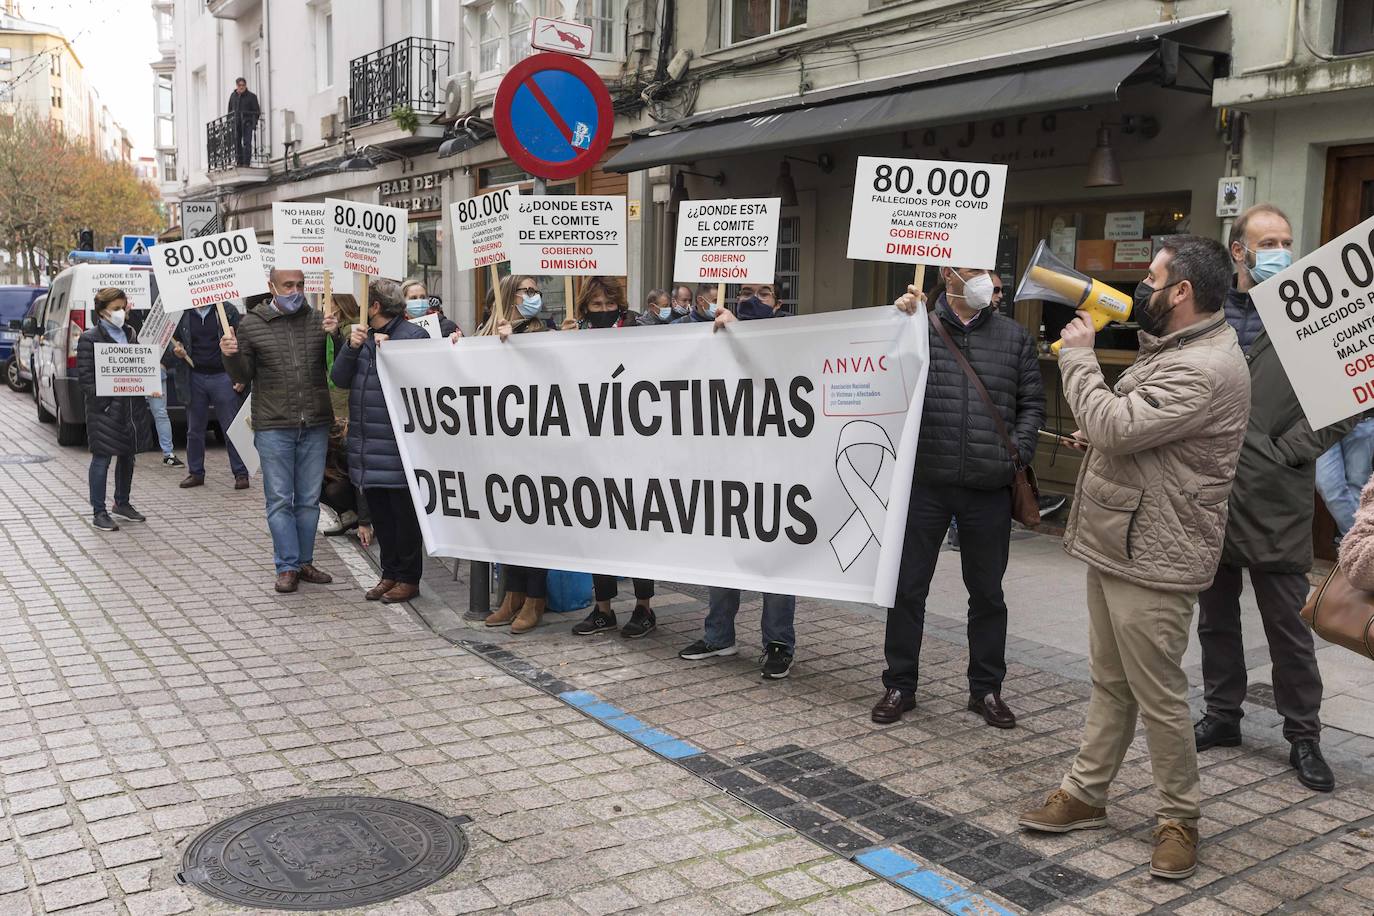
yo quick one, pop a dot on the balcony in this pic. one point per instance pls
(408, 74)
(231, 9)
(237, 153)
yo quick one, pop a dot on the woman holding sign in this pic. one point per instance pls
(116, 427)
(602, 304)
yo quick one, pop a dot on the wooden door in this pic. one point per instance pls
(1347, 202)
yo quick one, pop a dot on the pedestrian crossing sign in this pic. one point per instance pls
(138, 244)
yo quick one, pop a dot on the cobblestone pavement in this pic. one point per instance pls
(154, 683)
(151, 682)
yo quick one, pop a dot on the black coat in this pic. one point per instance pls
(114, 425)
(245, 109)
(179, 369)
(373, 457)
(959, 443)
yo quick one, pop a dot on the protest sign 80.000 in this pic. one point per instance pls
(364, 238)
(480, 227)
(921, 211)
(1319, 314)
(209, 269)
(126, 370)
(566, 236)
(781, 452)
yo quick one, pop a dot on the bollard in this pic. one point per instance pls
(479, 590)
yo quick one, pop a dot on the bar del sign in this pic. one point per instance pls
(417, 193)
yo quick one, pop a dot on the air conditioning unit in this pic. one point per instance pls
(288, 119)
(342, 109)
(329, 127)
(458, 95)
(294, 134)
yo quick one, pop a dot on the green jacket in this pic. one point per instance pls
(1270, 524)
(283, 358)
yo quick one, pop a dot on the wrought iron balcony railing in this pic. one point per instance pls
(406, 74)
(234, 142)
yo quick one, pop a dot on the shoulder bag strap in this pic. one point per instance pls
(978, 384)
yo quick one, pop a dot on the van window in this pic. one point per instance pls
(53, 319)
(14, 303)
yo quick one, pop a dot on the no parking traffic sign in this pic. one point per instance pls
(553, 116)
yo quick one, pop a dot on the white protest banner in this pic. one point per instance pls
(136, 283)
(158, 327)
(727, 241)
(364, 238)
(240, 433)
(564, 236)
(479, 228)
(781, 452)
(1319, 314)
(209, 269)
(127, 370)
(922, 211)
(430, 323)
(269, 259)
(298, 237)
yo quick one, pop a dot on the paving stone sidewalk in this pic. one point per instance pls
(151, 683)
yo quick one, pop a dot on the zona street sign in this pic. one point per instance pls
(553, 116)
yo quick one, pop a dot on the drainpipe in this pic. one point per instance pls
(267, 60)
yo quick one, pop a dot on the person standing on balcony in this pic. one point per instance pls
(244, 112)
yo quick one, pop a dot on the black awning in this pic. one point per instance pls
(1018, 84)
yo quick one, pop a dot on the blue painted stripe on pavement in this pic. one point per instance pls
(928, 884)
(656, 740)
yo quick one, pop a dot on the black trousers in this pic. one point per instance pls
(984, 518)
(398, 534)
(605, 588)
(1297, 681)
(527, 581)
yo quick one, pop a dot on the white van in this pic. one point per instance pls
(65, 316)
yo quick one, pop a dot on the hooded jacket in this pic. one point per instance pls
(1151, 499)
(374, 460)
(282, 357)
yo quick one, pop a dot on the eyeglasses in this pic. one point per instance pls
(532, 290)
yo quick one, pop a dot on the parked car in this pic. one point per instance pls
(19, 368)
(57, 328)
(14, 306)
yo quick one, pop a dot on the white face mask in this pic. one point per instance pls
(978, 292)
(116, 318)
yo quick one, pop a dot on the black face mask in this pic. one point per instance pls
(1144, 294)
(602, 319)
(753, 307)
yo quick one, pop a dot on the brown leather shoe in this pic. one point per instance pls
(401, 591)
(1175, 855)
(287, 581)
(1062, 813)
(529, 616)
(192, 481)
(377, 591)
(890, 708)
(240, 483)
(315, 576)
(503, 615)
(993, 711)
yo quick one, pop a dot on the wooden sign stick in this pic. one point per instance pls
(569, 307)
(498, 302)
(920, 282)
(327, 296)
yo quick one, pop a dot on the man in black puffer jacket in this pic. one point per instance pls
(374, 460)
(963, 472)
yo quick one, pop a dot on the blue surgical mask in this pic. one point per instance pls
(1269, 261)
(665, 312)
(530, 306)
(712, 309)
(417, 308)
(290, 303)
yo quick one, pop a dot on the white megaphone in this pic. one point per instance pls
(1052, 280)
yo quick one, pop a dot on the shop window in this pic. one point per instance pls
(424, 243)
(787, 274)
(748, 19)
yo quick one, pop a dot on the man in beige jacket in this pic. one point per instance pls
(1149, 516)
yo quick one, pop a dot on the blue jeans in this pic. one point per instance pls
(99, 474)
(206, 389)
(158, 406)
(778, 613)
(1342, 472)
(292, 473)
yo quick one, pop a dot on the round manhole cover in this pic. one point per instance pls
(24, 459)
(324, 853)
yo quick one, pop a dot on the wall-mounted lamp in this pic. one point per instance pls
(679, 192)
(1103, 169)
(786, 188)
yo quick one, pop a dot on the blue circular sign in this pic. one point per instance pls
(553, 116)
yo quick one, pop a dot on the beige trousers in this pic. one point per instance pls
(1137, 637)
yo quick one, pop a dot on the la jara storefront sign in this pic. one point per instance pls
(416, 193)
